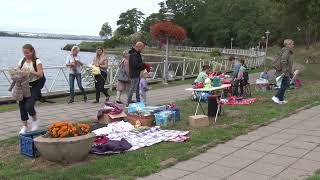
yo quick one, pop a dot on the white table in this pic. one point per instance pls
(209, 90)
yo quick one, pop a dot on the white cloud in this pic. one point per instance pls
(67, 16)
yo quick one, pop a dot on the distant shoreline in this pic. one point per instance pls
(17, 35)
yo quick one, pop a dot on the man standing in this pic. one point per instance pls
(283, 65)
(236, 69)
(135, 67)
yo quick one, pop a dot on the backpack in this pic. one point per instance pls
(42, 80)
(276, 62)
(122, 74)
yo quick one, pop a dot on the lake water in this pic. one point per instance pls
(48, 50)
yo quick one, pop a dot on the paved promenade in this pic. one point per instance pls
(288, 149)
(10, 123)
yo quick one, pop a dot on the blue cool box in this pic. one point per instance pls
(27, 146)
(164, 118)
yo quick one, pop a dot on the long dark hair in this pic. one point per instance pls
(31, 48)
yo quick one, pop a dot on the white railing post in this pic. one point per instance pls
(183, 69)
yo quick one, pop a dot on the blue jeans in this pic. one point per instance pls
(284, 86)
(134, 87)
(72, 77)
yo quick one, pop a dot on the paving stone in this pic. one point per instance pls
(244, 175)
(292, 174)
(307, 165)
(197, 176)
(281, 124)
(288, 151)
(265, 168)
(237, 143)
(222, 149)
(217, 171)
(190, 165)
(248, 137)
(313, 132)
(274, 141)
(313, 155)
(295, 131)
(261, 147)
(301, 145)
(208, 157)
(234, 162)
(283, 136)
(310, 139)
(278, 160)
(172, 173)
(248, 154)
(154, 177)
(317, 149)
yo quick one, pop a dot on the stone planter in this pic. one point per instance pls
(66, 150)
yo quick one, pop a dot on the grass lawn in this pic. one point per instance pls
(237, 120)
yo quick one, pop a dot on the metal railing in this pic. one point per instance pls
(195, 49)
(178, 68)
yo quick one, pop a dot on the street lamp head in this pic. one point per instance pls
(267, 32)
(263, 37)
(169, 15)
(232, 39)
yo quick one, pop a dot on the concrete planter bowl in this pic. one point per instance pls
(65, 150)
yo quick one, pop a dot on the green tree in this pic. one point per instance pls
(151, 20)
(130, 21)
(301, 16)
(106, 30)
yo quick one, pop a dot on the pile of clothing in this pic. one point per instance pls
(109, 107)
(122, 136)
(234, 100)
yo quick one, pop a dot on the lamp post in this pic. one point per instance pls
(267, 42)
(231, 42)
(169, 16)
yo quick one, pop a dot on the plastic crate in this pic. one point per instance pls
(176, 114)
(27, 146)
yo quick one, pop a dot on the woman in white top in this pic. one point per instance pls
(33, 65)
(101, 61)
(74, 64)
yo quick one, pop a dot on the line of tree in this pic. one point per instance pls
(214, 23)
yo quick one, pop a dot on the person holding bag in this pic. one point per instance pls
(123, 76)
(31, 64)
(75, 65)
(100, 72)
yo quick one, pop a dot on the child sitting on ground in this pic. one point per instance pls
(144, 85)
(203, 75)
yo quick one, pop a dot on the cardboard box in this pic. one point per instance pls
(109, 118)
(199, 121)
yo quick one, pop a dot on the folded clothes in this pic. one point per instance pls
(120, 126)
(110, 108)
(112, 146)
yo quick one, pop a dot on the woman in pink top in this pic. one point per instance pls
(123, 86)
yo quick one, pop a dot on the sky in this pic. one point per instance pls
(79, 17)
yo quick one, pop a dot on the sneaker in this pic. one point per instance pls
(85, 99)
(276, 100)
(70, 101)
(283, 102)
(95, 102)
(23, 130)
(34, 125)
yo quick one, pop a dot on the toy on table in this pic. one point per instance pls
(207, 84)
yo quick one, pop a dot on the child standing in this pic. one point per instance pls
(144, 85)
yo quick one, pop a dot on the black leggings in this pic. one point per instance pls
(100, 81)
(27, 104)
